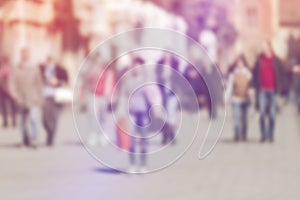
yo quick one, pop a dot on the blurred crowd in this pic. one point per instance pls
(107, 89)
(267, 81)
(26, 90)
(30, 94)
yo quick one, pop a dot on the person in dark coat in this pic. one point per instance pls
(293, 62)
(198, 84)
(296, 84)
(267, 81)
(8, 106)
(215, 92)
(53, 76)
(168, 79)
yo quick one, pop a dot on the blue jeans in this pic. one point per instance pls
(240, 119)
(267, 109)
(29, 116)
(140, 121)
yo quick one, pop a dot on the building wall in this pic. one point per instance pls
(257, 20)
(25, 24)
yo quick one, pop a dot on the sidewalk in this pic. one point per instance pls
(233, 171)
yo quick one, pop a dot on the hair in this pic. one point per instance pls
(242, 58)
(24, 50)
(174, 62)
(269, 44)
(50, 58)
(139, 60)
(4, 60)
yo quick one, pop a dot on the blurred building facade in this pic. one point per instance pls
(68, 29)
(257, 20)
(25, 23)
(254, 20)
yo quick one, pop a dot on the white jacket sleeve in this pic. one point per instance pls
(229, 88)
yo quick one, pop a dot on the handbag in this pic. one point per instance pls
(63, 95)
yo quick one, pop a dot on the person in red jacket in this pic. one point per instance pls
(267, 82)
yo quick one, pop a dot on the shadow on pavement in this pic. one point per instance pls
(18, 145)
(72, 143)
(232, 141)
(106, 170)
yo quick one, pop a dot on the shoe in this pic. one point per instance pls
(236, 139)
(164, 140)
(173, 142)
(26, 141)
(4, 125)
(262, 140)
(33, 145)
(132, 169)
(143, 170)
(48, 144)
(92, 140)
(103, 141)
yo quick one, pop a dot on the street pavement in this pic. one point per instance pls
(232, 171)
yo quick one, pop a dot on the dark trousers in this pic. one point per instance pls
(297, 97)
(7, 104)
(50, 117)
(168, 134)
(139, 137)
(212, 108)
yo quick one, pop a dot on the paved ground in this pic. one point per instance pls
(231, 172)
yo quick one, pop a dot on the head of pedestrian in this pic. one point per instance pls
(192, 72)
(25, 55)
(211, 22)
(267, 49)
(167, 58)
(4, 62)
(240, 62)
(137, 61)
(170, 60)
(50, 61)
(168, 64)
(95, 59)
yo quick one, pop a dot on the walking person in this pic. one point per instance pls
(267, 82)
(54, 76)
(209, 40)
(134, 103)
(293, 62)
(98, 84)
(296, 85)
(168, 83)
(7, 105)
(26, 89)
(238, 87)
(214, 96)
(200, 89)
